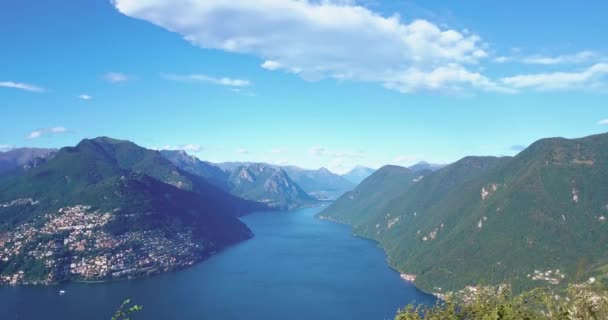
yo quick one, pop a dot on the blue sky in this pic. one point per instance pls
(310, 83)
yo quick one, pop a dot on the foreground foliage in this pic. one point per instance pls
(126, 310)
(577, 303)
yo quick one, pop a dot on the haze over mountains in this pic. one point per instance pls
(531, 220)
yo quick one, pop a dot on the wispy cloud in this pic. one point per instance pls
(603, 122)
(325, 39)
(404, 160)
(560, 59)
(184, 147)
(85, 97)
(223, 81)
(45, 132)
(590, 78)
(579, 57)
(21, 86)
(242, 151)
(116, 77)
(6, 147)
(349, 154)
(317, 151)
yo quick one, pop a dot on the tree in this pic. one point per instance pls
(126, 310)
(576, 303)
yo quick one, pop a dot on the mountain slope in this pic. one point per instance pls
(370, 196)
(530, 220)
(96, 187)
(497, 220)
(24, 158)
(273, 186)
(321, 183)
(358, 174)
(213, 174)
(425, 166)
(259, 182)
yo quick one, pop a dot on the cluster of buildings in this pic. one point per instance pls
(73, 244)
(551, 276)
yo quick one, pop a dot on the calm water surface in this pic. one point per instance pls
(296, 267)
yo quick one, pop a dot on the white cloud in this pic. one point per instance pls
(326, 39)
(276, 151)
(6, 147)
(322, 151)
(603, 122)
(45, 131)
(85, 97)
(242, 151)
(502, 59)
(271, 65)
(589, 78)
(184, 147)
(579, 57)
(21, 86)
(116, 77)
(230, 82)
(317, 151)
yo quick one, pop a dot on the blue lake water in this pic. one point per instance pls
(296, 267)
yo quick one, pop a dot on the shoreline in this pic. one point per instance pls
(439, 296)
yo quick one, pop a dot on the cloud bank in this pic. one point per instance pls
(326, 39)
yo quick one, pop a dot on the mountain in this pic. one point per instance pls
(370, 196)
(212, 173)
(269, 185)
(531, 220)
(24, 158)
(261, 182)
(110, 209)
(231, 166)
(322, 183)
(358, 174)
(423, 166)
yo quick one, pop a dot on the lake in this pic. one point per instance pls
(296, 267)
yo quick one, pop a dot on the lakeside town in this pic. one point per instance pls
(71, 244)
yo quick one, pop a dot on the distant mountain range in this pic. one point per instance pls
(424, 166)
(322, 183)
(260, 182)
(24, 158)
(358, 174)
(536, 219)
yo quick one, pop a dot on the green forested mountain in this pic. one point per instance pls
(115, 205)
(535, 219)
